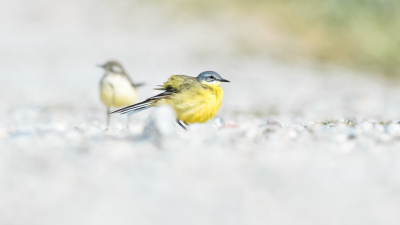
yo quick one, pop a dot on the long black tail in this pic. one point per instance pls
(143, 105)
(134, 108)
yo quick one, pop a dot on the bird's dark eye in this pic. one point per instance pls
(212, 77)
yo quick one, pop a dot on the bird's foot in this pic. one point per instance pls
(180, 124)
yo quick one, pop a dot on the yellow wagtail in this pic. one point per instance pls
(194, 99)
(116, 88)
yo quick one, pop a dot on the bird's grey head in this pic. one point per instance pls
(211, 78)
(113, 67)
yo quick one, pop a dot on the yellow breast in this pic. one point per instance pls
(198, 105)
(116, 90)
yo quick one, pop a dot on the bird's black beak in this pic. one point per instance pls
(223, 80)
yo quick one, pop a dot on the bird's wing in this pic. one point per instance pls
(143, 105)
(139, 84)
(133, 84)
(175, 84)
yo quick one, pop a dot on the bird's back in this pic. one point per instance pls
(193, 101)
(179, 83)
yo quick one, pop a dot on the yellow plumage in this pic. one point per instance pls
(196, 102)
(116, 90)
(194, 99)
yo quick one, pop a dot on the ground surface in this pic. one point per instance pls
(291, 144)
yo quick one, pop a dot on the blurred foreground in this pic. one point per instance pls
(291, 144)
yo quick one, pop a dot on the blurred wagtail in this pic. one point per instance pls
(194, 99)
(116, 88)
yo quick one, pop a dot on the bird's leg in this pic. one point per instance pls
(179, 122)
(108, 117)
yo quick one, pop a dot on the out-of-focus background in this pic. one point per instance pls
(308, 131)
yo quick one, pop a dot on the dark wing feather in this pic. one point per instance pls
(176, 84)
(133, 84)
(139, 84)
(143, 105)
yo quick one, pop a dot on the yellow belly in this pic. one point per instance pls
(200, 115)
(197, 107)
(117, 92)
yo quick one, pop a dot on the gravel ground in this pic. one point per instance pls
(291, 144)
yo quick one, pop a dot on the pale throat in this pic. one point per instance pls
(214, 83)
